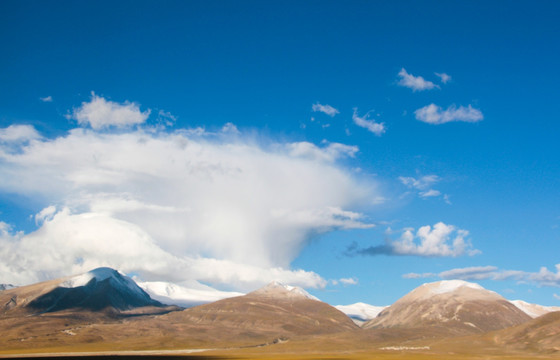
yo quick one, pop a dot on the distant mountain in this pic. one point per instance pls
(458, 307)
(6, 287)
(99, 289)
(278, 310)
(172, 294)
(538, 335)
(361, 312)
(534, 310)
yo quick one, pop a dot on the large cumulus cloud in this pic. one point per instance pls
(174, 204)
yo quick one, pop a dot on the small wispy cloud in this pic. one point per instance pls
(444, 78)
(166, 118)
(416, 83)
(430, 193)
(433, 114)
(325, 109)
(349, 281)
(441, 240)
(364, 121)
(46, 99)
(423, 186)
(421, 183)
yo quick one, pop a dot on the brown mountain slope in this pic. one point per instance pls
(271, 315)
(275, 308)
(455, 307)
(541, 334)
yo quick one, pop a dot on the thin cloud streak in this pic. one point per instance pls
(543, 277)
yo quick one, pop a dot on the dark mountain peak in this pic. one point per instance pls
(96, 290)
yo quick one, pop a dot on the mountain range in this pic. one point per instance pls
(106, 310)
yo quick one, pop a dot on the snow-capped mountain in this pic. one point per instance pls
(276, 309)
(195, 294)
(361, 312)
(534, 310)
(114, 277)
(98, 289)
(454, 305)
(277, 289)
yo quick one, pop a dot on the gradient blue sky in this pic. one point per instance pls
(262, 65)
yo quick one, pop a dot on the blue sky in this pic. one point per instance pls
(255, 115)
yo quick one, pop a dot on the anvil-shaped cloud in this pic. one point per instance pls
(173, 204)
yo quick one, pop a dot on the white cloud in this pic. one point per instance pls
(46, 99)
(18, 133)
(175, 206)
(372, 126)
(556, 296)
(74, 243)
(45, 214)
(325, 109)
(416, 83)
(100, 113)
(434, 241)
(444, 78)
(433, 114)
(349, 281)
(441, 240)
(329, 153)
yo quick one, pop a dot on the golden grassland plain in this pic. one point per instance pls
(57, 335)
(355, 345)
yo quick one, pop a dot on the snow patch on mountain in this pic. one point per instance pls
(193, 295)
(533, 310)
(277, 289)
(360, 312)
(116, 279)
(447, 286)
